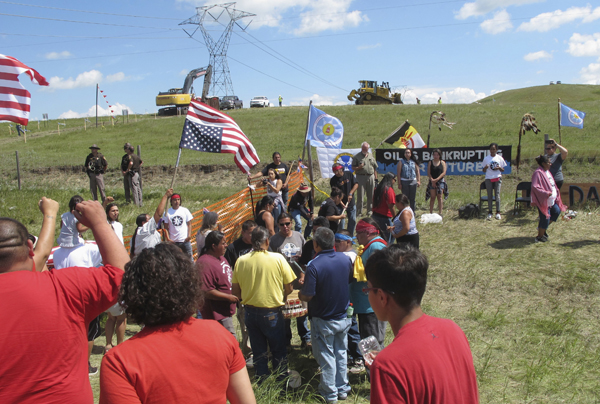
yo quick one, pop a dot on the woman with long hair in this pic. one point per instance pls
(384, 199)
(175, 358)
(437, 187)
(219, 303)
(409, 177)
(112, 216)
(209, 224)
(274, 185)
(545, 195)
(404, 228)
(264, 214)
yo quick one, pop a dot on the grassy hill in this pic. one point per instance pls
(283, 129)
(568, 93)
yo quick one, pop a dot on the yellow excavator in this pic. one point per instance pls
(179, 98)
(369, 93)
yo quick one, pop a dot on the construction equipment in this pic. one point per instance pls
(179, 98)
(370, 93)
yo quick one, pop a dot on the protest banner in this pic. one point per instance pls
(459, 160)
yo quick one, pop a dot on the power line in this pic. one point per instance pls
(106, 56)
(85, 22)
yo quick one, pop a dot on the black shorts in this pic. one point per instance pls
(94, 329)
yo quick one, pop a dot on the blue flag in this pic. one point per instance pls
(324, 130)
(571, 117)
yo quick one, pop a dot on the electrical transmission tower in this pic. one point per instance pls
(221, 78)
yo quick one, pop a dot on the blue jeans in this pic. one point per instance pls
(353, 340)
(266, 328)
(297, 216)
(554, 213)
(351, 213)
(186, 247)
(301, 326)
(329, 345)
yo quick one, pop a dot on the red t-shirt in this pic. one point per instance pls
(429, 362)
(216, 275)
(383, 208)
(188, 362)
(44, 318)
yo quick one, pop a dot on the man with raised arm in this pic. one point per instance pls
(44, 315)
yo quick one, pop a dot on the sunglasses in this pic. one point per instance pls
(549, 148)
(285, 224)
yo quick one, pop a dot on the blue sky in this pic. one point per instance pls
(302, 49)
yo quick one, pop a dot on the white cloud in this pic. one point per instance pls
(584, 45)
(459, 95)
(482, 7)
(183, 72)
(499, 23)
(58, 55)
(319, 100)
(591, 73)
(111, 78)
(85, 79)
(533, 56)
(315, 16)
(117, 110)
(548, 21)
(540, 72)
(366, 47)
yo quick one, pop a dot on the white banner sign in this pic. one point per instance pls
(329, 156)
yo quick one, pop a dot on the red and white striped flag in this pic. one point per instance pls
(209, 130)
(14, 98)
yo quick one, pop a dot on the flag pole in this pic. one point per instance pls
(97, 86)
(559, 134)
(429, 132)
(251, 198)
(310, 174)
(176, 166)
(306, 134)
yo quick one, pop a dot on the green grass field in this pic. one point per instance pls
(530, 311)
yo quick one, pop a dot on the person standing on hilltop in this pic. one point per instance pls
(130, 167)
(95, 167)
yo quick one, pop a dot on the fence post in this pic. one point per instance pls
(18, 170)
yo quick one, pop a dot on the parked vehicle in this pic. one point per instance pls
(370, 93)
(259, 102)
(231, 102)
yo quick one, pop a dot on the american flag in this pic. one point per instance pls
(209, 130)
(14, 98)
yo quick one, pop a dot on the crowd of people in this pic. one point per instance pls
(350, 291)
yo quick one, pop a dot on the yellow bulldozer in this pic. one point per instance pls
(369, 93)
(178, 99)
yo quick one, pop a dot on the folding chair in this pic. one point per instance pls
(519, 198)
(484, 198)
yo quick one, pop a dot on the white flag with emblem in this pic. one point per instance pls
(328, 156)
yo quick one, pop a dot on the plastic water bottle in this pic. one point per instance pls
(350, 311)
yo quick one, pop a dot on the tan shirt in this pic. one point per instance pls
(369, 162)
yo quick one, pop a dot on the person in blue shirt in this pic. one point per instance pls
(326, 291)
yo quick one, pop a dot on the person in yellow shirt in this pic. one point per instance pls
(262, 280)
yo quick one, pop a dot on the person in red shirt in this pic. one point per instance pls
(175, 358)
(44, 359)
(429, 361)
(384, 201)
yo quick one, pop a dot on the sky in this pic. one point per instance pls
(300, 49)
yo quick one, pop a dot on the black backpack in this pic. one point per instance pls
(468, 211)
